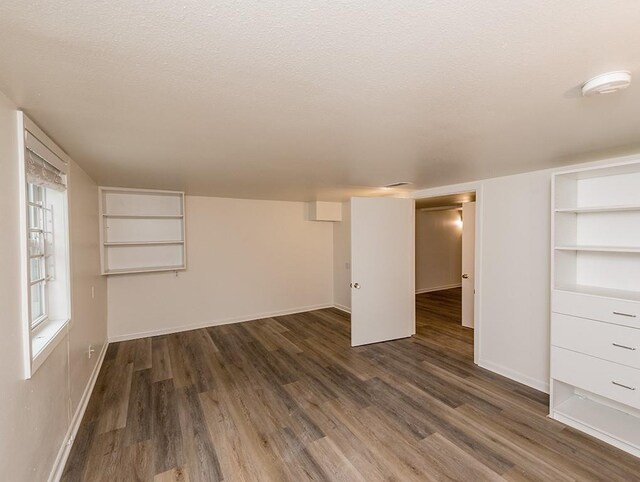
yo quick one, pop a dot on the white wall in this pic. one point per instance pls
(34, 417)
(89, 314)
(246, 259)
(515, 272)
(342, 259)
(438, 250)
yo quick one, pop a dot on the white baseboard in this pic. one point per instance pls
(438, 288)
(209, 323)
(69, 438)
(540, 385)
(340, 307)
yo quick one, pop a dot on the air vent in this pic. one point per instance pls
(397, 184)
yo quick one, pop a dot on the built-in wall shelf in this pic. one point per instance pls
(148, 216)
(141, 230)
(595, 302)
(145, 270)
(598, 209)
(604, 249)
(142, 243)
(615, 426)
(599, 291)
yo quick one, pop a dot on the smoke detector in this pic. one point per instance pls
(607, 83)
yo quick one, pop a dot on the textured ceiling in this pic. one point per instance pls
(303, 100)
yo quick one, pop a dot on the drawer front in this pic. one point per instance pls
(608, 379)
(615, 343)
(611, 310)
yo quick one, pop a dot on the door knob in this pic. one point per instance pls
(355, 285)
(465, 276)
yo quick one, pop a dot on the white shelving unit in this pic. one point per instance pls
(141, 230)
(595, 302)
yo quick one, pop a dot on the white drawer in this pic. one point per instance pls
(613, 310)
(601, 377)
(615, 343)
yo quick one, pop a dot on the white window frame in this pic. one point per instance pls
(41, 338)
(46, 257)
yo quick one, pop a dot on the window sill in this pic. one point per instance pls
(45, 339)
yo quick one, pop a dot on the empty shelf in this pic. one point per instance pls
(598, 291)
(598, 209)
(145, 270)
(602, 418)
(141, 243)
(608, 249)
(144, 216)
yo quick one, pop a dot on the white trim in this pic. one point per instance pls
(55, 331)
(24, 250)
(72, 431)
(540, 385)
(224, 321)
(340, 307)
(30, 126)
(448, 190)
(438, 288)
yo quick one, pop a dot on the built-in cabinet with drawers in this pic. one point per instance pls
(595, 302)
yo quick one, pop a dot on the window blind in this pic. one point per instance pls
(43, 167)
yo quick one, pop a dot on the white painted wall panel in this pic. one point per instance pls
(515, 276)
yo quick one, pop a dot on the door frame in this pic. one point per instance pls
(475, 187)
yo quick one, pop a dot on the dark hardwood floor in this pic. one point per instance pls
(287, 398)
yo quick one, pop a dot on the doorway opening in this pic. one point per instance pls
(445, 242)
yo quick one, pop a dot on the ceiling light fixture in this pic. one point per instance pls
(607, 83)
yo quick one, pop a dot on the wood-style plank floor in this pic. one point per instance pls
(287, 398)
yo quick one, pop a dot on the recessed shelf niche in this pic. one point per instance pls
(141, 230)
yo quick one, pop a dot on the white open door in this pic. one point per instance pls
(382, 269)
(468, 262)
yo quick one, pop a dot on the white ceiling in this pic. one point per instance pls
(302, 100)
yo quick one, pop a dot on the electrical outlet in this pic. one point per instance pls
(93, 292)
(91, 351)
